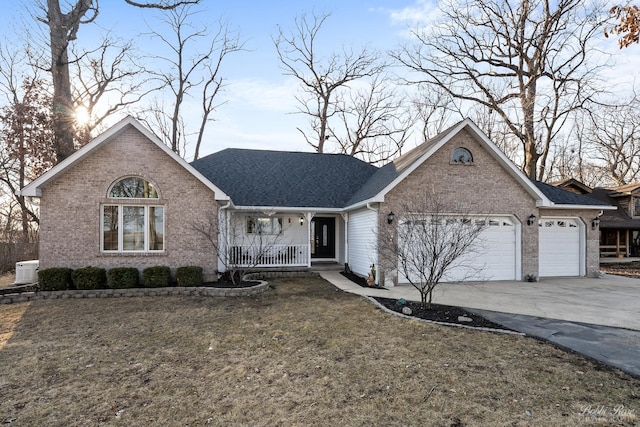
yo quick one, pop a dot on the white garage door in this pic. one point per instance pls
(559, 247)
(493, 258)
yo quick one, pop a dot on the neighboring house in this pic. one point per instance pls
(619, 229)
(126, 199)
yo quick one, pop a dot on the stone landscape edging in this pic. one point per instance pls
(457, 325)
(205, 291)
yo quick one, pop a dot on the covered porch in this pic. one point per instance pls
(619, 242)
(282, 240)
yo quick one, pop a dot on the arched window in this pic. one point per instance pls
(461, 156)
(133, 187)
(129, 225)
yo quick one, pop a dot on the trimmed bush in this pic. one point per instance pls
(55, 279)
(89, 278)
(122, 277)
(156, 277)
(190, 275)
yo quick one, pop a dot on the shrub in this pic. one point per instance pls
(189, 276)
(122, 277)
(156, 277)
(55, 279)
(89, 278)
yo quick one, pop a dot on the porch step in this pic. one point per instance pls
(326, 266)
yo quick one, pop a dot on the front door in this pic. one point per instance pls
(323, 233)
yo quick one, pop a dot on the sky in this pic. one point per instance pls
(259, 99)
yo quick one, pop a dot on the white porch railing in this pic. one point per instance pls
(271, 256)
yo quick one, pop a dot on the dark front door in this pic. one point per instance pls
(323, 232)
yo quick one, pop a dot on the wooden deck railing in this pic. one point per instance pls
(270, 256)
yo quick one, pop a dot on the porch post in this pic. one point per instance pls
(309, 216)
(345, 219)
(627, 245)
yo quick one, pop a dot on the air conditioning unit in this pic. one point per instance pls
(26, 272)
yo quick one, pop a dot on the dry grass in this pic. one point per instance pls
(7, 279)
(301, 354)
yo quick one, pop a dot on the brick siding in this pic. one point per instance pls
(485, 188)
(70, 208)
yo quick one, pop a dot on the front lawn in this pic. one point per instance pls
(7, 279)
(301, 354)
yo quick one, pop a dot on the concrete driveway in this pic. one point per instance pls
(609, 300)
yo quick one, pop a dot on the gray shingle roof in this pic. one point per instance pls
(565, 197)
(312, 180)
(619, 218)
(280, 178)
(389, 172)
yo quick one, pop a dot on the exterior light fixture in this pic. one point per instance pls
(595, 222)
(531, 219)
(301, 220)
(390, 217)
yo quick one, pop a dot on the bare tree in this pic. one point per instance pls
(375, 122)
(190, 70)
(435, 110)
(239, 250)
(430, 239)
(106, 81)
(25, 144)
(527, 62)
(612, 133)
(63, 30)
(321, 78)
(13, 245)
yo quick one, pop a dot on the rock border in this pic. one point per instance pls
(203, 291)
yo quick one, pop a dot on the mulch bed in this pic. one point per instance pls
(225, 281)
(441, 313)
(437, 312)
(361, 281)
(230, 284)
(629, 269)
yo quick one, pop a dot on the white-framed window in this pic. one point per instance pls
(130, 226)
(264, 225)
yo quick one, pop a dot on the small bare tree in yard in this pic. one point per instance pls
(430, 239)
(241, 243)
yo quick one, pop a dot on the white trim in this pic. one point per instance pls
(582, 242)
(287, 209)
(576, 207)
(496, 153)
(120, 205)
(34, 188)
(336, 240)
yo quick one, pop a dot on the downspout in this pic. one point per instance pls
(377, 236)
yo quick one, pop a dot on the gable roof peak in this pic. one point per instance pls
(572, 182)
(34, 189)
(626, 189)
